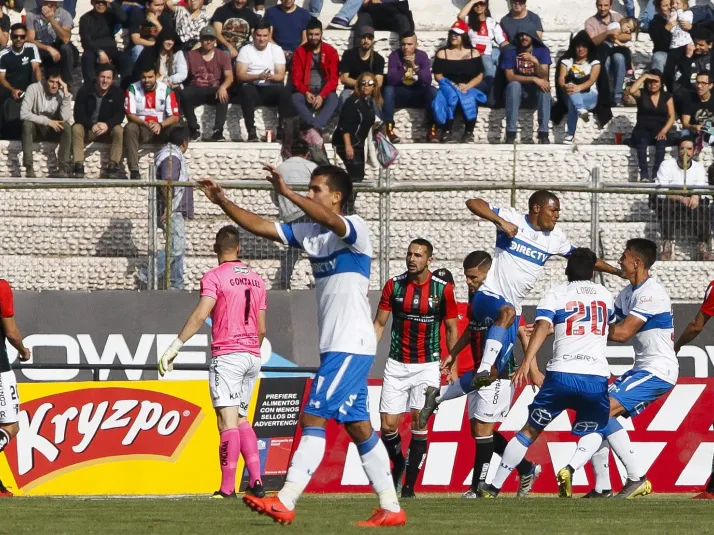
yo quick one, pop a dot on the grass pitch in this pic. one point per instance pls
(317, 515)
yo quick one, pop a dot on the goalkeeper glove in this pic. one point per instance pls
(166, 362)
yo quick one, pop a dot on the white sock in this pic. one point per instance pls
(512, 456)
(601, 467)
(375, 461)
(587, 446)
(452, 391)
(491, 349)
(621, 445)
(306, 459)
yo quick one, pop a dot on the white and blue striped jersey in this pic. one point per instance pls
(580, 312)
(654, 342)
(341, 267)
(519, 261)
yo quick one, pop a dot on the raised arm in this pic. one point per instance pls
(482, 209)
(243, 218)
(604, 267)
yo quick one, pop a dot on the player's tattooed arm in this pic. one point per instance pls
(482, 209)
(12, 333)
(692, 330)
(626, 329)
(523, 373)
(451, 326)
(603, 266)
(462, 343)
(380, 321)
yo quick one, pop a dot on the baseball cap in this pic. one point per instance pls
(208, 31)
(366, 30)
(459, 27)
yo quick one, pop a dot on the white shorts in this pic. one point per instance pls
(491, 403)
(231, 379)
(9, 399)
(403, 385)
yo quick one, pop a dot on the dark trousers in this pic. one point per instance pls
(121, 63)
(311, 117)
(641, 139)
(10, 123)
(392, 17)
(407, 96)
(355, 166)
(673, 214)
(193, 96)
(66, 63)
(254, 95)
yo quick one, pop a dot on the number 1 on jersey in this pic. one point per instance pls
(246, 314)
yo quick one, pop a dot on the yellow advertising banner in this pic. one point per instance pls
(147, 437)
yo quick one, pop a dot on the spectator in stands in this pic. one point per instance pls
(146, 27)
(45, 114)
(692, 211)
(314, 76)
(356, 121)
(19, 67)
(234, 22)
(696, 59)
(408, 85)
(615, 64)
(209, 78)
(98, 115)
(527, 68)
(698, 116)
(96, 30)
(151, 110)
(360, 59)
(169, 60)
(520, 20)
(341, 21)
(484, 33)
(458, 69)
(391, 16)
(260, 70)
(189, 21)
(4, 30)
(49, 28)
(655, 117)
(660, 33)
(296, 171)
(578, 72)
(288, 23)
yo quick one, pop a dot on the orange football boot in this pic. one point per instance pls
(383, 518)
(270, 506)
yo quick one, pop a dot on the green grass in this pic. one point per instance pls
(317, 515)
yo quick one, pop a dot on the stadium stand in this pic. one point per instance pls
(98, 238)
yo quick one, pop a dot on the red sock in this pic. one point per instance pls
(228, 452)
(249, 449)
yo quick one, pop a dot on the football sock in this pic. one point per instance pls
(587, 446)
(375, 462)
(621, 445)
(228, 452)
(482, 461)
(249, 449)
(495, 337)
(514, 454)
(499, 446)
(457, 388)
(393, 444)
(601, 467)
(306, 459)
(415, 457)
(5, 439)
(710, 483)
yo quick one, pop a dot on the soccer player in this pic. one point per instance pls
(420, 301)
(10, 400)
(577, 373)
(487, 406)
(693, 329)
(340, 252)
(646, 311)
(235, 297)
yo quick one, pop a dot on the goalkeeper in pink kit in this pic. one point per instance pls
(234, 296)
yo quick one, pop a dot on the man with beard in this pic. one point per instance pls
(698, 114)
(360, 59)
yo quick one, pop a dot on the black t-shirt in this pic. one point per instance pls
(18, 67)
(458, 71)
(700, 112)
(237, 23)
(354, 65)
(138, 16)
(4, 22)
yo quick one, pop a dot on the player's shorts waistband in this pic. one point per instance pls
(584, 382)
(236, 354)
(333, 354)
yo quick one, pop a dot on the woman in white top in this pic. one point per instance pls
(577, 77)
(484, 32)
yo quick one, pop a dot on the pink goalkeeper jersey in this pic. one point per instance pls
(239, 293)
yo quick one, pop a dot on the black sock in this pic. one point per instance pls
(5, 439)
(710, 483)
(484, 452)
(499, 446)
(415, 457)
(393, 443)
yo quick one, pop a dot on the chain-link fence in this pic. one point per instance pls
(84, 235)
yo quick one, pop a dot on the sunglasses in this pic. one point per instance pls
(100, 3)
(367, 82)
(18, 36)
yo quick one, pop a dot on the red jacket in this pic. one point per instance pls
(302, 64)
